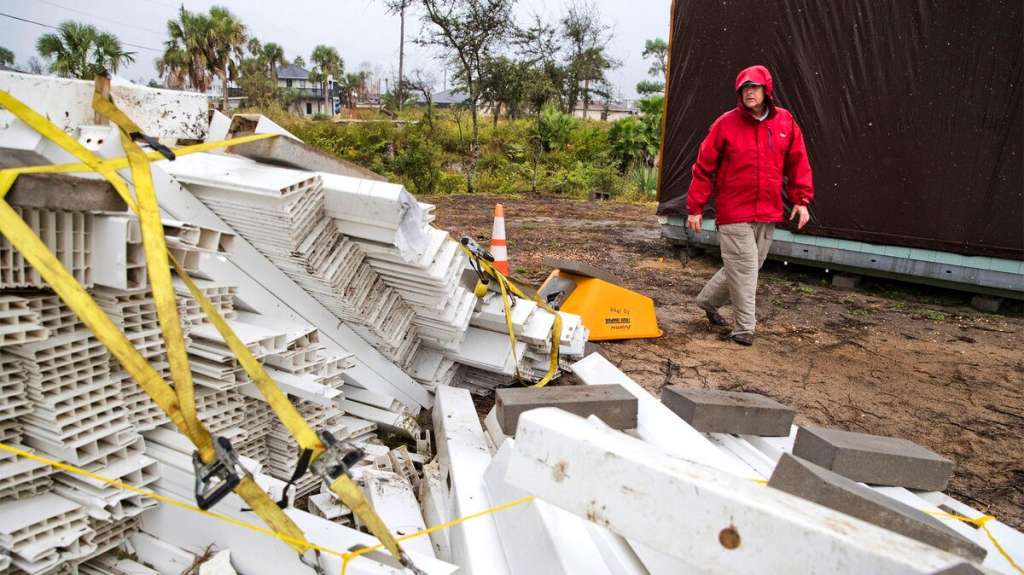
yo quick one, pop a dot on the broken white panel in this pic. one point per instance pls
(489, 351)
(491, 315)
(402, 422)
(168, 559)
(493, 428)
(379, 400)
(35, 529)
(462, 452)
(657, 424)
(267, 289)
(538, 537)
(698, 514)
(355, 201)
(165, 114)
(393, 499)
(433, 498)
(220, 123)
(303, 386)
(241, 124)
(201, 238)
(112, 563)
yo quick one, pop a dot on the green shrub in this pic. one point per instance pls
(419, 161)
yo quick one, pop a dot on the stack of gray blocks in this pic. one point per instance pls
(713, 411)
(613, 404)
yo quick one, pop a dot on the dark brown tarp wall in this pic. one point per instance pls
(912, 111)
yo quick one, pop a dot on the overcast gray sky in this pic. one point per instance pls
(360, 29)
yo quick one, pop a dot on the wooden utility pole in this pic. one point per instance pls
(400, 89)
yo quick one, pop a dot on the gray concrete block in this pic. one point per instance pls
(284, 151)
(64, 192)
(814, 483)
(581, 269)
(874, 459)
(715, 411)
(986, 303)
(845, 281)
(616, 406)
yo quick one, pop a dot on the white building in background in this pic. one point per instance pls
(605, 111)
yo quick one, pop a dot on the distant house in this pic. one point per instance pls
(307, 97)
(605, 111)
(447, 98)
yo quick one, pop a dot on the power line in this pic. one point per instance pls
(52, 27)
(92, 15)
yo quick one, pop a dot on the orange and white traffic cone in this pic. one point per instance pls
(499, 246)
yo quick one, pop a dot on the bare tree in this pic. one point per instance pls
(423, 82)
(468, 32)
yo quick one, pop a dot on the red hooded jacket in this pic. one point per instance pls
(744, 161)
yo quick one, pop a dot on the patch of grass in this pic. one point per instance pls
(805, 288)
(930, 314)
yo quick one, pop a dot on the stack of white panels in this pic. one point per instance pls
(221, 296)
(53, 314)
(18, 322)
(42, 531)
(281, 212)
(135, 313)
(77, 413)
(422, 263)
(68, 235)
(487, 356)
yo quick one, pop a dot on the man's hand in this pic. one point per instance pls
(693, 222)
(803, 213)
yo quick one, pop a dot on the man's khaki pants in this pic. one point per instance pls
(744, 248)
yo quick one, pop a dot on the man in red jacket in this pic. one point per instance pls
(750, 154)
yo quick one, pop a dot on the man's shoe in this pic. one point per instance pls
(743, 338)
(716, 318)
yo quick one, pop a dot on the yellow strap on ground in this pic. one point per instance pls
(980, 522)
(508, 286)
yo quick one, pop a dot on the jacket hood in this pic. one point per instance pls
(758, 75)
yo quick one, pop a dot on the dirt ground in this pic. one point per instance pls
(889, 358)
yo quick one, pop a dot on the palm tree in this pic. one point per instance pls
(326, 64)
(226, 38)
(274, 55)
(6, 57)
(82, 51)
(184, 61)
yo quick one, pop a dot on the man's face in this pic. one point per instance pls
(753, 96)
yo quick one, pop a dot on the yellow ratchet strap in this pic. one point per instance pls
(279, 403)
(64, 284)
(508, 286)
